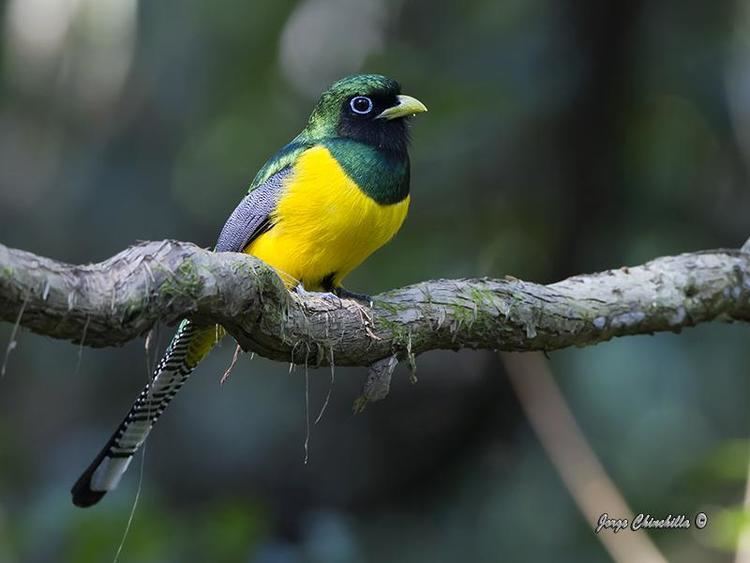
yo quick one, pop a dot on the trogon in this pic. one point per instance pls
(314, 212)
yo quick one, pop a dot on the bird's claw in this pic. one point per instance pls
(337, 294)
(325, 295)
(359, 297)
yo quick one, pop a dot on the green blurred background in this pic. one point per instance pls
(563, 137)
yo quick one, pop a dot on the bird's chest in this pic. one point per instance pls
(324, 225)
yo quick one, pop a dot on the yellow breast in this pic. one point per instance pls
(324, 225)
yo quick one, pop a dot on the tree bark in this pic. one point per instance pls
(121, 298)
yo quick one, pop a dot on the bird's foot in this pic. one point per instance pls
(362, 303)
(359, 297)
(325, 295)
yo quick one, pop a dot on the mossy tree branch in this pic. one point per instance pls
(121, 298)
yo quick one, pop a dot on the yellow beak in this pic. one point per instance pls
(406, 106)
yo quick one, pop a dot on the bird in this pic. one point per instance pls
(314, 212)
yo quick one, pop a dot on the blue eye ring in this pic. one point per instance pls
(361, 105)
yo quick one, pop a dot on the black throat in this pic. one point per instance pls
(391, 136)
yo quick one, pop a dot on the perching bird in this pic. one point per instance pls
(314, 212)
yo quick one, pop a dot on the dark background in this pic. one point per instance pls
(563, 137)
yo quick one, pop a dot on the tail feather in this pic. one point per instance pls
(188, 347)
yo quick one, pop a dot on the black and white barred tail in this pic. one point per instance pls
(188, 347)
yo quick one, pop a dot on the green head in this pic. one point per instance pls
(368, 108)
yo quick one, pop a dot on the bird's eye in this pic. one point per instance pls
(361, 105)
